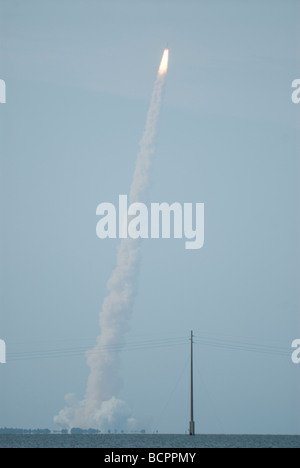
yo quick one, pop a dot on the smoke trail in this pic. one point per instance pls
(140, 183)
(101, 409)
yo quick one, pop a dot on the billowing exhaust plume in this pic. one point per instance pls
(101, 408)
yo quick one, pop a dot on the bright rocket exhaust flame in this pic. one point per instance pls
(163, 68)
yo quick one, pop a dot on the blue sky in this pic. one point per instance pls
(79, 77)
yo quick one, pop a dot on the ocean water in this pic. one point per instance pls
(149, 441)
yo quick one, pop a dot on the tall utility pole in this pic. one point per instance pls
(192, 422)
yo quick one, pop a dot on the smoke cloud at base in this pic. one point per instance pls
(102, 409)
(111, 415)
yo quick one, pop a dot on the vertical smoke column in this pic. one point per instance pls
(117, 306)
(101, 406)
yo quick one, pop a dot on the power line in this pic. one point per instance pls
(200, 340)
(238, 345)
(82, 350)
